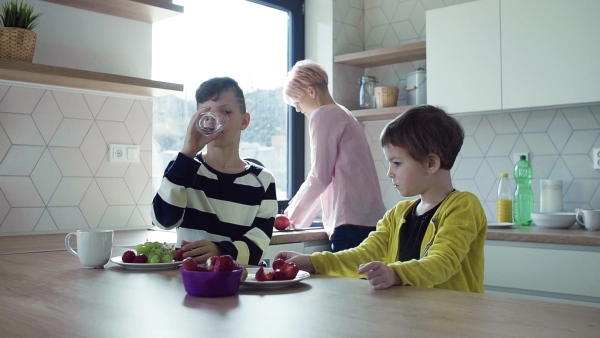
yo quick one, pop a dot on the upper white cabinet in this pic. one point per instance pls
(491, 55)
(550, 52)
(463, 57)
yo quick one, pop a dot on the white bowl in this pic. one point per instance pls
(554, 220)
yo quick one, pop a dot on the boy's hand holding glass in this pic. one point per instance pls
(195, 140)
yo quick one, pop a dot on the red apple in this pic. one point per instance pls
(281, 222)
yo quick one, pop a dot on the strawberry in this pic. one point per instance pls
(141, 258)
(128, 256)
(290, 270)
(223, 263)
(278, 275)
(179, 255)
(278, 263)
(189, 264)
(261, 276)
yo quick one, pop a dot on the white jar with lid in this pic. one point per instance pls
(551, 196)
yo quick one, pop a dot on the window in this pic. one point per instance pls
(253, 42)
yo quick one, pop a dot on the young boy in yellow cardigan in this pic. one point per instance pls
(435, 240)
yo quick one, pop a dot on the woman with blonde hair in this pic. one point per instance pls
(342, 182)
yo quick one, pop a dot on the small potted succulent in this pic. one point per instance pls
(17, 21)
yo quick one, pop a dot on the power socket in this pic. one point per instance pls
(123, 153)
(596, 158)
(517, 157)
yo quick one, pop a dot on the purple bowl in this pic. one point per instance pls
(211, 284)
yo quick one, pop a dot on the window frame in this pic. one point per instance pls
(295, 135)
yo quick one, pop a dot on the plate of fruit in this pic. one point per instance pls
(282, 274)
(149, 256)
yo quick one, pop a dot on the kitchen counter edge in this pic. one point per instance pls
(533, 234)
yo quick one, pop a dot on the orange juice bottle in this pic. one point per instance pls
(505, 201)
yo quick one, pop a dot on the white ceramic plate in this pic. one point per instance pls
(500, 225)
(144, 266)
(541, 224)
(253, 283)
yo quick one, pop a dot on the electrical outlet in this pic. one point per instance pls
(123, 153)
(596, 158)
(517, 156)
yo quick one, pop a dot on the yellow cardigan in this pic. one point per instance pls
(451, 251)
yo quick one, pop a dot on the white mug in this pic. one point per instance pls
(94, 247)
(590, 219)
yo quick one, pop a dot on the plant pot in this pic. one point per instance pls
(17, 44)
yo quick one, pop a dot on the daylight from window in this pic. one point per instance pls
(237, 38)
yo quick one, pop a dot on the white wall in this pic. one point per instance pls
(318, 48)
(54, 173)
(72, 38)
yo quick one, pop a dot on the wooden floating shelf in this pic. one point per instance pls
(81, 79)
(383, 56)
(379, 114)
(140, 10)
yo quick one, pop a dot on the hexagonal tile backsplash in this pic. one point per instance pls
(559, 141)
(54, 170)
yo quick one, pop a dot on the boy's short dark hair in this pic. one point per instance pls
(211, 89)
(425, 130)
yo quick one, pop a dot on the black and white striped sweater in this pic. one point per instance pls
(235, 211)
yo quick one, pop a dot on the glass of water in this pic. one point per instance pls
(211, 122)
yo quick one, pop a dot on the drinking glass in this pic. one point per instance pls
(211, 122)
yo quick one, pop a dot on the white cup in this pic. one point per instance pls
(551, 196)
(578, 210)
(590, 219)
(94, 247)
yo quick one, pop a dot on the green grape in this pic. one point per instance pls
(142, 249)
(154, 245)
(168, 258)
(155, 259)
(156, 252)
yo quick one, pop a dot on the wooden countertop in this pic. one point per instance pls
(535, 234)
(50, 295)
(532, 234)
(297, 236)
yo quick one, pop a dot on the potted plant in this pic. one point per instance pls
(17, 38)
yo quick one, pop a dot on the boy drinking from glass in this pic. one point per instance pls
(219, 203)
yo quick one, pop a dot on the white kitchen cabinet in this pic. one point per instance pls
(493, 55)
(549, 271)
(463, 57)
(550, 52)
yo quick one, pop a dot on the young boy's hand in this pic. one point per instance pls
(200, 250)
(302, 260)
(194, 139)
(380, 275)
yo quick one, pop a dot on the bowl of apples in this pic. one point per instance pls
(221, 276)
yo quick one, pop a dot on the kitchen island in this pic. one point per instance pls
(529, 262)
(49, 294)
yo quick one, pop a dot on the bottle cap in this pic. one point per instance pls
(503, 174)
(523, 157)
